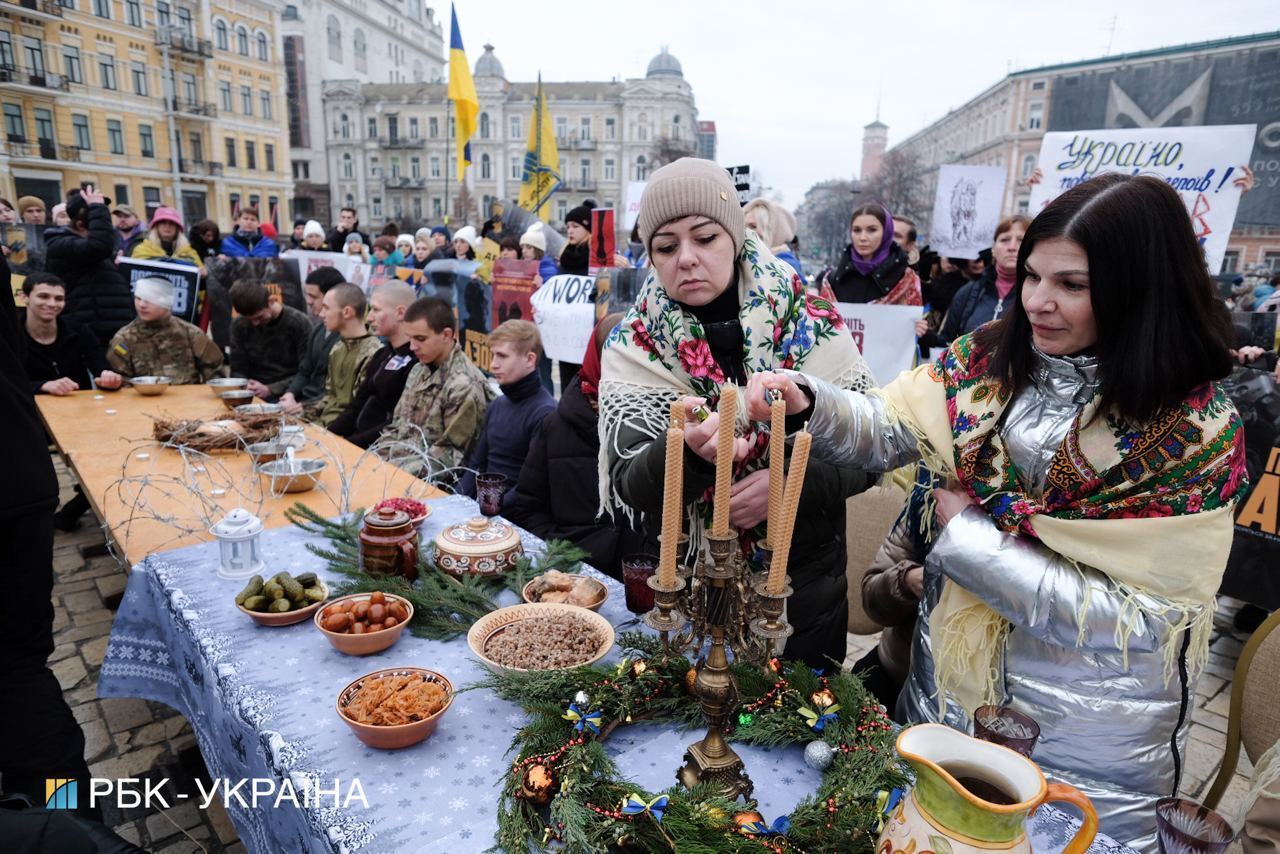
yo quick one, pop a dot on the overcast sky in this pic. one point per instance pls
(790, 84)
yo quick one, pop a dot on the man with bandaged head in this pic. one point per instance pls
(159, 344)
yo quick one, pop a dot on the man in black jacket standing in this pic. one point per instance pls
(39, 736)
(83, 255)
(347, 225)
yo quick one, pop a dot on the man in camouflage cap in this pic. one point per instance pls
(444, 399)
(159, 344)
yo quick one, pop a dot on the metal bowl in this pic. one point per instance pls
(151, 386)
(259, 409)
(266, 452)
(297, 475)
(232, 399)
(220, 384)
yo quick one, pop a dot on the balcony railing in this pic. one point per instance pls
(403, 183)
(38, 8)
(192, 108)
(586, 144)
(199, 167)
(16, 75)
(181, 40)
(44, 149)
(401, 142)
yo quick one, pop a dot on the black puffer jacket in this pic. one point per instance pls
(98, 295)
(557, 496)
(851, 286)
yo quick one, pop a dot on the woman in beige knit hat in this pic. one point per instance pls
(716, 307)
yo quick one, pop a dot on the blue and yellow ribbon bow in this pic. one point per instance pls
(886, 800)
(780, 827)
(580, 719)
(636, 805)
(819, 722)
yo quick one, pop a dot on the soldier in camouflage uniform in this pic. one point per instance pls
(159, 344)
(442, 407)
(342, 311)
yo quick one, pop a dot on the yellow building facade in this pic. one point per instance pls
(156, 103)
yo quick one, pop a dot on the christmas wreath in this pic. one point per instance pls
(562, 788)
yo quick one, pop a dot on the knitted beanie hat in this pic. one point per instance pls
(313, 227)
(581, 214)
(686, 187)
(534, 237)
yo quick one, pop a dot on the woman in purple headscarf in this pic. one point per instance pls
(873, 267)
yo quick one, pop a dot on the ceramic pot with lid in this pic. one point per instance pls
(478, 546)
(389, 544)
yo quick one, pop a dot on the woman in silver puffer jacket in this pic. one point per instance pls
(1093, 466)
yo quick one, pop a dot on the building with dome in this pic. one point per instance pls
(390, 147)
(392, 41)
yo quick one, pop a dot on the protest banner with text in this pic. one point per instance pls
(885, 334)
(1201, 163)
(565, 311)
(184, 278)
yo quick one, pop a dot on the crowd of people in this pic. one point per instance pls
(1089, 329)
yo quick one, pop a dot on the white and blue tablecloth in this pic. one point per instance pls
(261, 703)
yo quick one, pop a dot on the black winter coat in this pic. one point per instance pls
(376, 397)
(98, 294)
(557, 495)
(28, 484)
(850, 285)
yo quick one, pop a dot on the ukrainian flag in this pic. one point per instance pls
(462, 91)
(541, 175)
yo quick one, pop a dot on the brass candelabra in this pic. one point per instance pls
(721, 602)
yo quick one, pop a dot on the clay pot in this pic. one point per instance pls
(389, 544)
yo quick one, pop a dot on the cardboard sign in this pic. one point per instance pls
(1199, 162)
(635, 190)
(741, 178)
(184, 278)
(564, 309)
(513, 290)
(885, 335)
(603, 240)
(487, 254)
(966, 209)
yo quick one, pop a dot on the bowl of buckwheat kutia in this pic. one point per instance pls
(540, 636)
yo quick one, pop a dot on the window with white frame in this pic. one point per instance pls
(610, 171)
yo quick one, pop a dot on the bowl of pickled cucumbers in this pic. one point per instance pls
(282, 599)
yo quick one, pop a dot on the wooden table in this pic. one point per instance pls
(154, 498)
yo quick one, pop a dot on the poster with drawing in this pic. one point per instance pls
(1201, 163)
(309, 261)
(966, 209)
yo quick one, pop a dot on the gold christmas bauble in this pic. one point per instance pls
(743, 819)
(822, 699)
(538, 784)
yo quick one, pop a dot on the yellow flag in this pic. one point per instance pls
(541, 175)
(462, 91)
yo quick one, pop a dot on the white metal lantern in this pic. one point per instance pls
(238, 542)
